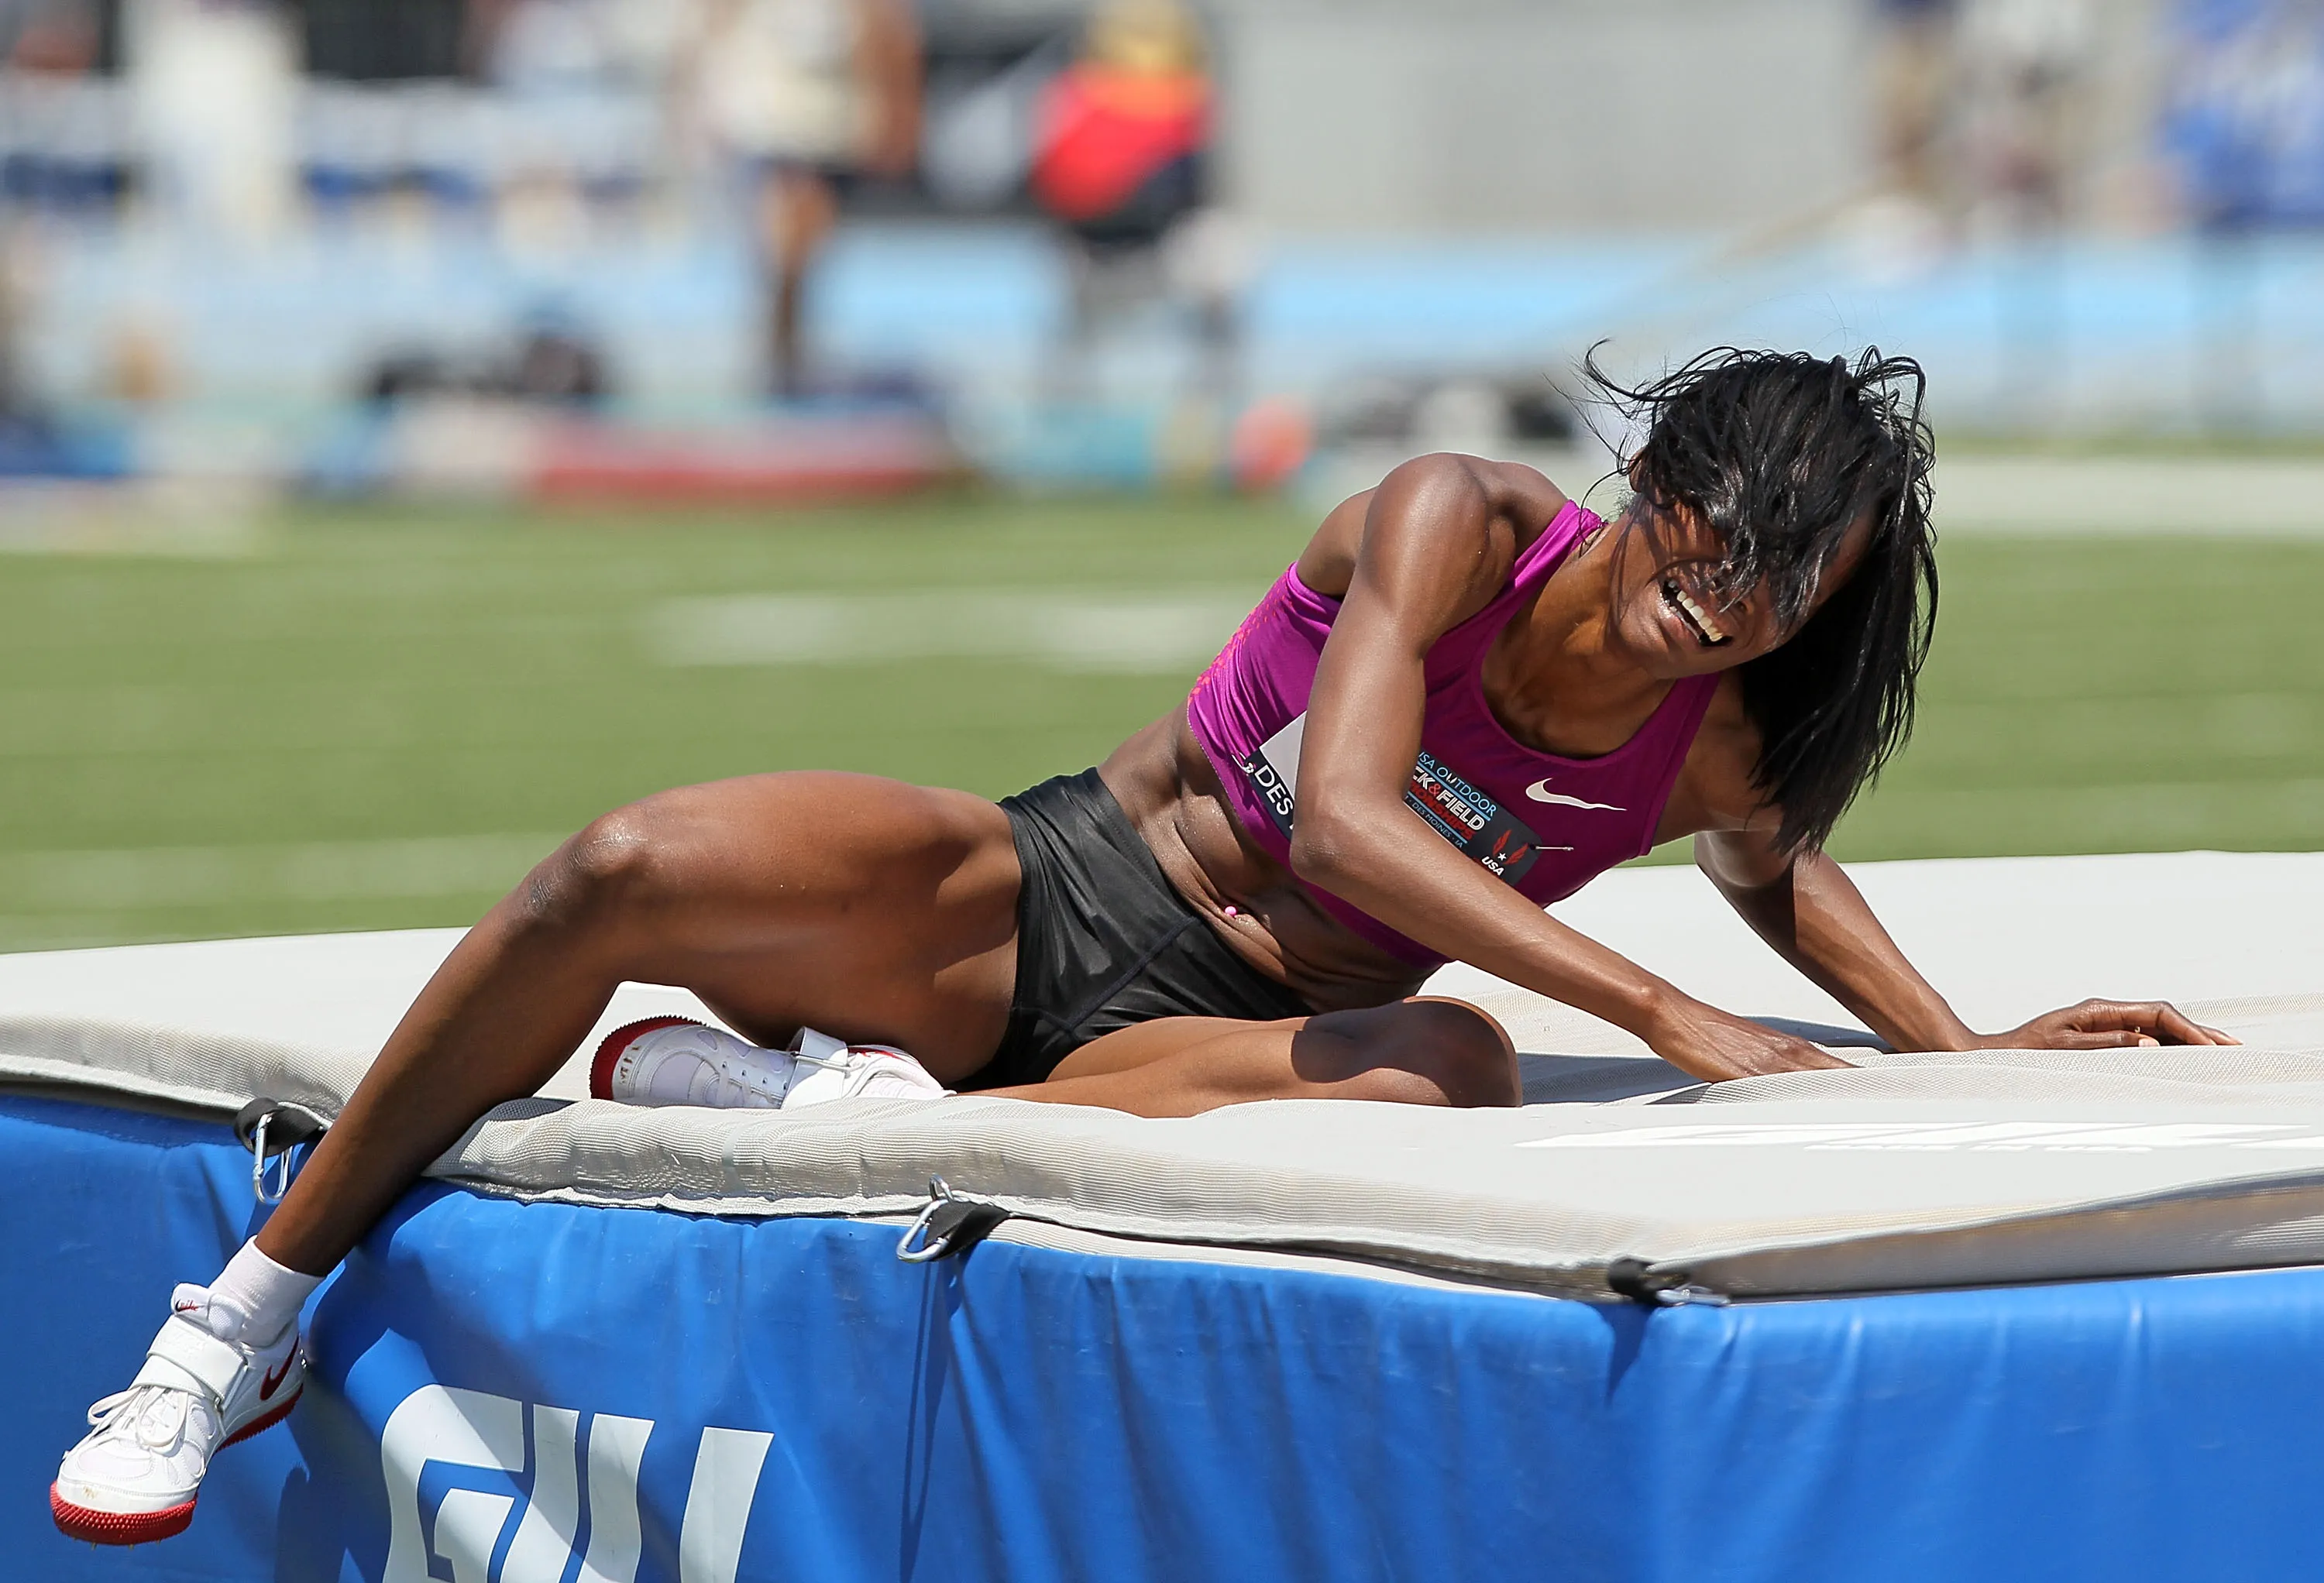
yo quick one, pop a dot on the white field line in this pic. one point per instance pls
(2165, 814)
(2259, 497)
(2264, 497)
(1981, 493)
(131, 880)
(1079, 629)
(177, 518)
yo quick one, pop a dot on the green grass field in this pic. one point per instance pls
(381, 717)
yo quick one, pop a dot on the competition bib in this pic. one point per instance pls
(1481, 827)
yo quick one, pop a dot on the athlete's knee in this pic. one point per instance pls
(1433, 1050)
(1463, 1050)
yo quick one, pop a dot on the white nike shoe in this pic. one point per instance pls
(134, 1478)
(677, 1060)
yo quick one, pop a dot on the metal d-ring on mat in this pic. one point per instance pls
(949, 1225)
(272, 1129)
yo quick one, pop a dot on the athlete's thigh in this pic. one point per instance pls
(1420, 1031)
(866, 908)
(1145, 1043)
(1356, 1032)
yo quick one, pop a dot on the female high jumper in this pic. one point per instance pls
(1466, 698)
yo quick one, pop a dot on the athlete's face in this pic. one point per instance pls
(1676, 610)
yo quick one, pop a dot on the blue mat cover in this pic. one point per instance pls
(572, 1394)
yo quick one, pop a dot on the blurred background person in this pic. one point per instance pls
(2024, 66)
(810, 97)
(1914, 93)
(1121, 157)
(214, 85)
(40, 41)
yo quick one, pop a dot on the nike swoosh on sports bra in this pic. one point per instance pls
(1541, 823)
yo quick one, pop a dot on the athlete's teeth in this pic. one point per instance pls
(1702, 617)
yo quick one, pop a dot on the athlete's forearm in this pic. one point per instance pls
(1358, 839)
(1389, 864)
(1815, 918)
(1439, 535)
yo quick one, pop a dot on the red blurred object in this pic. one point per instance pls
(1103, 132)
(1270, 443)
(858, 457)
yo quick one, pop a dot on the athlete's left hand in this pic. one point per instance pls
(2106, 1024)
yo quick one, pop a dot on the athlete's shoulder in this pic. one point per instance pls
(1520, 491)
(1432, 505)
(1718, 786)
(1522, 478)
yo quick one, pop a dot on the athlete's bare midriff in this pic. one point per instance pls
(1165, 783)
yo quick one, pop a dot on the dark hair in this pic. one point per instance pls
(1780, 454)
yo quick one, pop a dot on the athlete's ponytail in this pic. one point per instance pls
(1780, 454)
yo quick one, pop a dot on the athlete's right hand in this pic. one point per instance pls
(1714, 1046)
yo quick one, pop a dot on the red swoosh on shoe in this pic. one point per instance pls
(266, 1387)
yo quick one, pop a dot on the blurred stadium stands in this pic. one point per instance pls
(251, 239)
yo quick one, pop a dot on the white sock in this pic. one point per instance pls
(254, 1298)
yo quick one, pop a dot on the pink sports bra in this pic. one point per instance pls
(1544, 823)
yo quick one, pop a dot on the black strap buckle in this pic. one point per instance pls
(950, 1225)
(1639, 1281)
(270, 1129)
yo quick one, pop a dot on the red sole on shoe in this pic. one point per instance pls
(76, 1522)
(601, 1067)
(117, 1527)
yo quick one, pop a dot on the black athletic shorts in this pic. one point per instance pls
(1102, 940)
